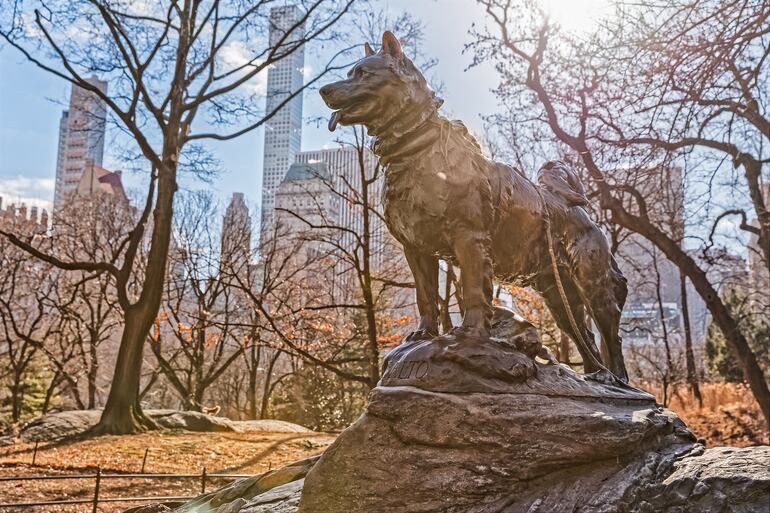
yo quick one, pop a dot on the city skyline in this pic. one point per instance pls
(32, 100)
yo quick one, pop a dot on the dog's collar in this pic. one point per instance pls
(393, 146)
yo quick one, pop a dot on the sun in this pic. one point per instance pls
(577, 15)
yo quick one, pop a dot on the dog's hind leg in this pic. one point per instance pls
(603, 289)
(606, 297)
(546, 285)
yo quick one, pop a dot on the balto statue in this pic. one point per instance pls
(444, 199)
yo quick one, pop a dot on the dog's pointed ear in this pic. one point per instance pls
(391, 46)
(368, 50)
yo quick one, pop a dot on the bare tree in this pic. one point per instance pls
(25, 320)
(164, 62)
(198, 334)
(87, 229)
(361, 253)
(612, 117)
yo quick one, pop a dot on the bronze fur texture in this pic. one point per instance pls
(443, 199)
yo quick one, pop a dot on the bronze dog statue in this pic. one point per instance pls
(444, 199)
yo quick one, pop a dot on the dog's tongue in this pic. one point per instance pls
(334, 120)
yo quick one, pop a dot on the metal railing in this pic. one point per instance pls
(98, 477)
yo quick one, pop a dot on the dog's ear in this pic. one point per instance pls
(368, 50)
(391, 46)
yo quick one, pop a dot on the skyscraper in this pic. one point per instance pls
(283, 132)
(236, 235)
(345, 181)
(81, 139)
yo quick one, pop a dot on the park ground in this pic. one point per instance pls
(169, 452)
(729, 416)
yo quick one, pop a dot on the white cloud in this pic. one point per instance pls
(33, 192)
(238, 53)
(30, 27)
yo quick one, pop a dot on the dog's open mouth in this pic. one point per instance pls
(334, 119)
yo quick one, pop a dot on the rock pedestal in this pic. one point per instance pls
(462, 425)
(442, 435)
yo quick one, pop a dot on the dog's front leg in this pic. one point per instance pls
(471, 247)
(425, 271)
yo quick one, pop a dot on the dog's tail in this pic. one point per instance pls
(563, 183)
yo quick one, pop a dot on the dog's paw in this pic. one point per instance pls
(421, 334)
(470, 331)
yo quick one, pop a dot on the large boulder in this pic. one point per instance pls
(460, 425)
(717, 480)
(421, 451)
(463, 425)
(59, 425)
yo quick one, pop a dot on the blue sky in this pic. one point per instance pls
(31, 102)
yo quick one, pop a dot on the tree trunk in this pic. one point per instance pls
(122, 413)
(267, 389)
(366, 279)
(668, 375)
(446, 316)
(17, 396)
(718, 310)
(564, 348)
(93, 369)
(255, 355)
(692, 375)
(50, 391)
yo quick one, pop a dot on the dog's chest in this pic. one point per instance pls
(415, 202)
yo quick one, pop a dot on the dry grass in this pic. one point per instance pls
(169, 452)
(729, 416)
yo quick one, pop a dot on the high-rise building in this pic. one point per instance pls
(344, 175)
(283, 131)
(236, 234)
(336, 190)
(23, 221)
(304, 200)
(81, 139)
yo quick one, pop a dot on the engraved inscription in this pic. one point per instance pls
(416, 369)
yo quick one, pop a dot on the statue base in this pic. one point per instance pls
(465, 424)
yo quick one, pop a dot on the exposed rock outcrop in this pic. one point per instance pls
(54, 426)
(538, 447)
(476, 426)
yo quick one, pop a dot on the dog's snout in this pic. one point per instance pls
(325, 91)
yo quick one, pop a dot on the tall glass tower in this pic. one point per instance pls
(283, 132)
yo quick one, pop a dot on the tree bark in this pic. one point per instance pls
(93, 370)
(267, 388)
(122, 413)
(668, 376)
(564, 348)
(692, 375)
(255, 354)
(17, 396)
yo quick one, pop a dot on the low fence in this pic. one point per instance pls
(98, 477)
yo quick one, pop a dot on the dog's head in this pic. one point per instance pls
(382, 89)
